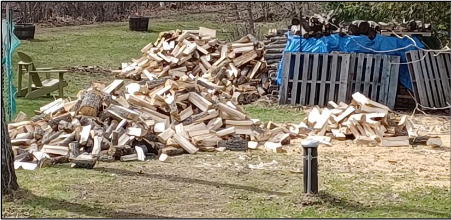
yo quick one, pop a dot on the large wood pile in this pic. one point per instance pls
(158, 117)
(238, 66)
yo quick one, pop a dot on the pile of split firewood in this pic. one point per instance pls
(238, 66)
(151, 118)
(366, 122)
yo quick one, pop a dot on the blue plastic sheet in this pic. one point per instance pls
(9, 44)
(354, 44)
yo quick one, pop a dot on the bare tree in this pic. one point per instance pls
(250, 19)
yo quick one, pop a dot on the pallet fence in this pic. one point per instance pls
(315, 79)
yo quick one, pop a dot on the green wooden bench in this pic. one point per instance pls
(35, 87)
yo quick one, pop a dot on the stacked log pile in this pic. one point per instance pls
(238, 66)
(320, 25)
(274, 45)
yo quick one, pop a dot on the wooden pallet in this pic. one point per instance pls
(431, 77)
(375, 76)
(314, 79)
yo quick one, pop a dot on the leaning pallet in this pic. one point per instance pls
(431, 77)
(375, 76)
(314, 79)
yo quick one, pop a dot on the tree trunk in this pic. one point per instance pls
(9, 180)
(250, 18)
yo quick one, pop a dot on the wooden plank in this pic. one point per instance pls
(419, 82)
(294, 85)
(314, 79)
(376, 77)
(284, 84)
(430, 78)
(395, 141)
(304, 79)
(444, 76)
(425, 80)
(367, 81)
(393, 85)
(358, 80)
(322, 87)
(384, 80)
(333, 75)
(437, 79)
(342, 90)
(352, 74)
(448, 61)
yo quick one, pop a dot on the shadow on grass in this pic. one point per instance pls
(188, 180)
(26, 197)
(37, 40)
(332, 201)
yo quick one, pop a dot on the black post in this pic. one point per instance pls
(310, 167)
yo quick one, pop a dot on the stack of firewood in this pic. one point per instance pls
(364, 121)
(159, 117)
(239, 66)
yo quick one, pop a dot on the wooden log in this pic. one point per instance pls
(90, 103)
(86, 161)
(130, 157)
(74, 150)
(230, 111)
(58, 150)
(185, 144)
(399, 141)
(245, 58)
(199, 101)
(121, 113)
(114, 86)
(97, 146)
(226, 131)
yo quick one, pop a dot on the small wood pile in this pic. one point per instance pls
(363, 120)
(239, 66)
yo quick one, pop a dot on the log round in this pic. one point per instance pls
(91, 103)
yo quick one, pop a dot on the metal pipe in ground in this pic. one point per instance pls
(310, 148)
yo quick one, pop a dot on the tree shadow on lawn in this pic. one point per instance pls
(26, 197)
(187, 180)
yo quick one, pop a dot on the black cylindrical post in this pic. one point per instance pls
(310, 168)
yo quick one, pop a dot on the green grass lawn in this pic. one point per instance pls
(106, 45)
(155, 189)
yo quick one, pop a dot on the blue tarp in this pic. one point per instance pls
(353, 44)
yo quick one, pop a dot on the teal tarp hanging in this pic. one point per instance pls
(9, 44)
